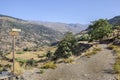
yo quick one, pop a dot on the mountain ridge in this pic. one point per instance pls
(115, 21)
(33, 35)
(58, 26)
(63, 27)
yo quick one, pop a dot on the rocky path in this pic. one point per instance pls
(97, 67)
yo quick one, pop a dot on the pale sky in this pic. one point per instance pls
(67, 11)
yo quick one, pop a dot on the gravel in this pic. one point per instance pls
(97, 67)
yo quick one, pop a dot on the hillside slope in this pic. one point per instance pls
(32, 35)
(115, 20)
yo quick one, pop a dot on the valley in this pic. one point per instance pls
(60, 51)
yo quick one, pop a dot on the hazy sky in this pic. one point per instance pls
(68, 11)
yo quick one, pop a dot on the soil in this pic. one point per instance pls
(97, 67)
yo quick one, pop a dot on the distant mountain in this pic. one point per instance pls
(115, 20)
(63, 27)
(32, 35)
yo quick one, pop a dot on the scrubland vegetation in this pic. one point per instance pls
(67, 50)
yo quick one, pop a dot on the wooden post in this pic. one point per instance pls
(13, 55)
(14, 33)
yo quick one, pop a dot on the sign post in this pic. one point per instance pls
(13, 33)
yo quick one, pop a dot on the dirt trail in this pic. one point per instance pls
(98, 67)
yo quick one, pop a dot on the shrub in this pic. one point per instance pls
(84, 38)
(66, 46)
(8, 66)
(49, 54)
(26, 49)
(48, 65)
(99, 29)
(31, 62)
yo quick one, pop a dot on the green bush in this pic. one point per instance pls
(99, 29)
(48, 65)
(84, 38)
(31, 62)
(66, 46)
(49, 54)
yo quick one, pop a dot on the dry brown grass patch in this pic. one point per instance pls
(92, 52)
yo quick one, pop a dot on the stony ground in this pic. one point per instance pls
(97, 67)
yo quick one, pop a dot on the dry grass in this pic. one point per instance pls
(116, 66)
(34, 55)
(68, 60)
(18, 69)
(48, 65)
(118, 77)
(92, 52)
(26, 56)
(116, 49)
(4, 62)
